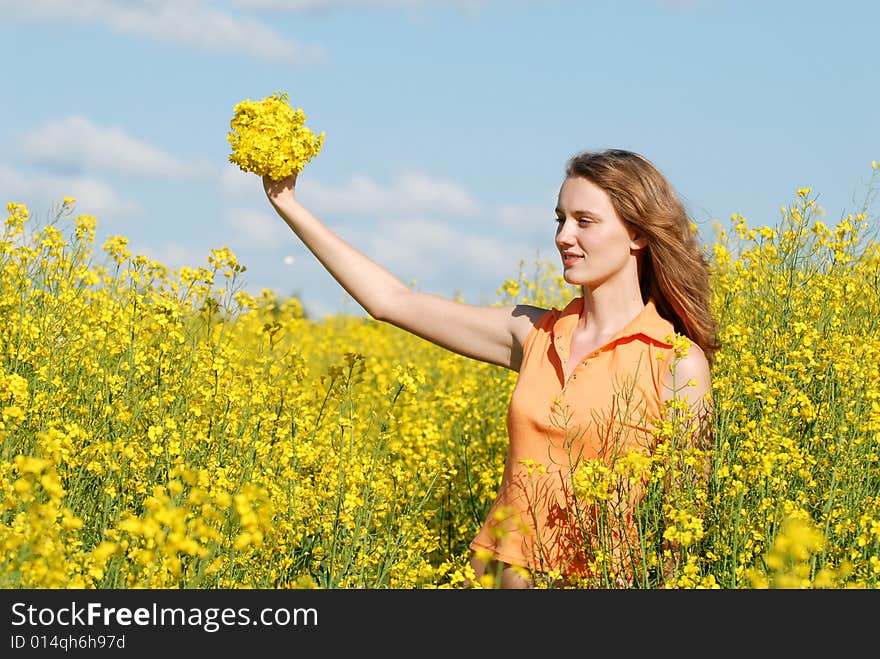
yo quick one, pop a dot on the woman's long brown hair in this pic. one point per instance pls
(674, 270)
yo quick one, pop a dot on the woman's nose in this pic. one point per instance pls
(563, 233)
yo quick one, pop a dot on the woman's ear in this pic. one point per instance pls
(637, 241)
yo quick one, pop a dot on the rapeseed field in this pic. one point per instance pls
(167, 430)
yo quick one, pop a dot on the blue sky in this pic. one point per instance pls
(448, 123)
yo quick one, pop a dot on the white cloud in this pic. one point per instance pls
(527, 221)
(196, 24)
(440, 256)
(297, 6)
(408, 194)
(77, 141)
(93, 196)
(253, 228)
(238, 184)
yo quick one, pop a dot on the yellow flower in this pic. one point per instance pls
(269, 137)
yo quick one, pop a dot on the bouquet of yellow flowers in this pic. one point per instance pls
(270, 138)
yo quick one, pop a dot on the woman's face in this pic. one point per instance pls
(595, 245)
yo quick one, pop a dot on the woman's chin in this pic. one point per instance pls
(570, 279)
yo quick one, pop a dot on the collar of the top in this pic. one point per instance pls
(647, 323)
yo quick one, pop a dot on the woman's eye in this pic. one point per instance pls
(582, 221)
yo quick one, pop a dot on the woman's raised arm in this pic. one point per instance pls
(487, 333)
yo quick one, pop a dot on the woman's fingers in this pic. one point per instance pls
(276, 188)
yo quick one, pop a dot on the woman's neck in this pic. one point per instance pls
(606, 311)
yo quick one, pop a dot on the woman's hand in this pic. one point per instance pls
(277, 191)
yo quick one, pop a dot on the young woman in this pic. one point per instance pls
(592, 376)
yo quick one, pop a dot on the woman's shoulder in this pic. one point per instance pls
(531, 318)
(693, 362)
(689, 374)
(542, 319)
(530, 321)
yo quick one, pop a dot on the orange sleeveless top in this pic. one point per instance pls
(605, 408)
